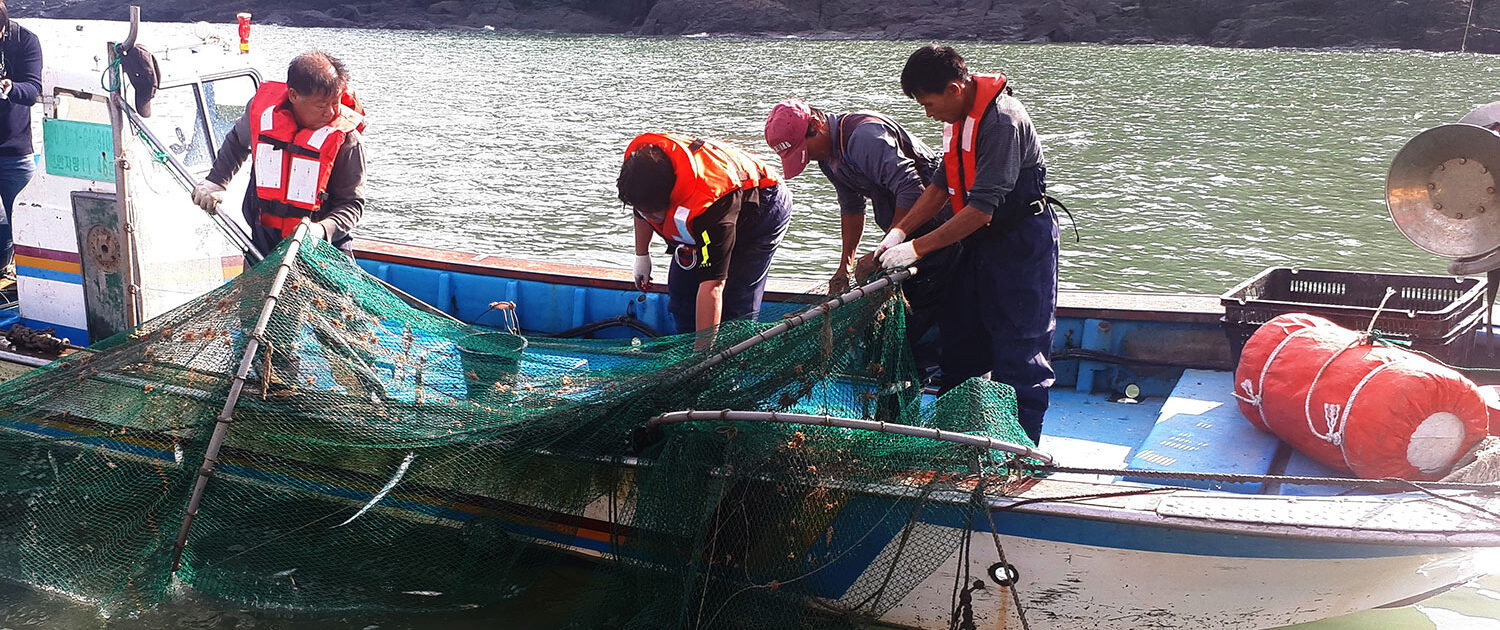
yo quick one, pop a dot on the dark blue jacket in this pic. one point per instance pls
(21, 56)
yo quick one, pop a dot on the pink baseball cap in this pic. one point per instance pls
(786, 132)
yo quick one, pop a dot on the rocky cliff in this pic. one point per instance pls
(1417, 24)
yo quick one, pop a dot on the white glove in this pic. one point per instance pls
(643, 271)
(900, 256)
(892, 238)
(208, 195)
(316, 230)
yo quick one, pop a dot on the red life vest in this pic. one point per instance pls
(958, 161)
(706, 171)
(292, 164)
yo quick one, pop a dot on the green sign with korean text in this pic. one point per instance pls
(78, 149)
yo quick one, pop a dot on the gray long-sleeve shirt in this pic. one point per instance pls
(1005, 143)
(345, 200)
(871, 161)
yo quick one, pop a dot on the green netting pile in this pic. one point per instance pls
(380, 458)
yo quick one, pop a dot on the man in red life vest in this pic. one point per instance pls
(999, 314)
(308, 160)
(722, 213)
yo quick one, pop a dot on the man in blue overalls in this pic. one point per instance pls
(1000, 312)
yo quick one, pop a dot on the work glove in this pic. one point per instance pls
(900, 256)
(208, 195)
(892, 238)
(316, 230)
(643, 271)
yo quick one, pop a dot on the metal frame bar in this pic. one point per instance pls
(221, 426)
(807, 315)
(135, 313)
(226, 224)
(966, 439)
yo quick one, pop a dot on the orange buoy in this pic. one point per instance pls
(1356, 404)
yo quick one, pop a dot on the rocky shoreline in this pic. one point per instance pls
(1436, 25)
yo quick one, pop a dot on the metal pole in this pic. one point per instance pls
(1464, 46)
(895, 278)
(221, 427)
(966, 439)
(134, 312)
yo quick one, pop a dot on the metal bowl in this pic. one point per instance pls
(1441, 190)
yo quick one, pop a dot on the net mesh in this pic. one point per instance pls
(380, 458)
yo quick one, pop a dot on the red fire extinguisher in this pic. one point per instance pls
(244, 19)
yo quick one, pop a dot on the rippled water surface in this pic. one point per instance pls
(1188, 170)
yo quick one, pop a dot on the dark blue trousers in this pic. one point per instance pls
(1000, 313)
(758, 233)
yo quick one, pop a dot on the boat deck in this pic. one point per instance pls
(1198, 428)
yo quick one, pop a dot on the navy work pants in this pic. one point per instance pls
(758, 233)
(1000, 314)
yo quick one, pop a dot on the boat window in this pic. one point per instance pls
(175, 122)
(226, 100)
(82, 107)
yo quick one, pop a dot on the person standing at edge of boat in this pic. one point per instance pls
(722, 213)
(309, 159)
(999, 315)
(20, 87)
(867, 156)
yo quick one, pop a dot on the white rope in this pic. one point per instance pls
(1265, 369)
(1389, 291)
(1307, 399)
(1344, 419)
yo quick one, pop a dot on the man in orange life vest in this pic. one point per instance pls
(999, 314)
(722, 213)
(308, 159)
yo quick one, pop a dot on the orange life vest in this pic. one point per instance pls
(958, 161)
(292, 164)
(706, 171)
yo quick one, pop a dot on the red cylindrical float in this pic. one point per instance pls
(1353, 404)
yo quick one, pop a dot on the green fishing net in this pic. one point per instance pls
(381, 458)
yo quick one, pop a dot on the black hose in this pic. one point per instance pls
(619, 320)
(1081, 354)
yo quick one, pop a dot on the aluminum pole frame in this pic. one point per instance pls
(221, 427)
(966, 439)
(134, 312)
(816, 312)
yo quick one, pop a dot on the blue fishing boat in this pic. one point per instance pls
(1150, 501)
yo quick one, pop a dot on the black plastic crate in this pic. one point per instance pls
(1434, 314)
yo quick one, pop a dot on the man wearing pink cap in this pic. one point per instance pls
(866, 156)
